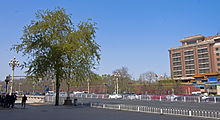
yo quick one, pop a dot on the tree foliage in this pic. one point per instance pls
(54, 45)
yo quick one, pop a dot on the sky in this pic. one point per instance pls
(132, 33)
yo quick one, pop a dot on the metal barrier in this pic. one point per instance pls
(198, 99)
(31, 99)
(167, 111)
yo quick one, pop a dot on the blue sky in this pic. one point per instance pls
(132, 33)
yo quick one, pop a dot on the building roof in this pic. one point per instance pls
(192, 38)
(192, 45)
(208, 40)
(211, 37)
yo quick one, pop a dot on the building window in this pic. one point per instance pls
(189, 52)
(218, 59)
(190, 72)
(191, 42)
(176, 63)
(177, 59)
(219, 70)
(203, 55)
(176, 54)
(204, 60)
(189, 57)
(189, 62)
(177, 68)
(216, 49)
(201, 71)
(218, 64)
(202, 50)
(204, 65)
(217, 54)
(190, 67)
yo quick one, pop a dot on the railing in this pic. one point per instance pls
(168, 111)
(198, 99)
(31, 99)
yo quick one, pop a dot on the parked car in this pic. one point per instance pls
(115, 96)
(132, 97)
(205, 98)
(50, 93)
(173, 97)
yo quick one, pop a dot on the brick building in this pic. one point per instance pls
(197, 55)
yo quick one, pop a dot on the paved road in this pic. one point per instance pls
(50, 112)
(159, 104)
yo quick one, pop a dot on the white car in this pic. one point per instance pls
(205, 97)
(132, 97)
(115, 96)
(172, 97)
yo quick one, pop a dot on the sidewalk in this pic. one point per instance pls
(51, 112)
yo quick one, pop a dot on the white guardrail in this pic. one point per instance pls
(31, 99)
(168, 111)
(197, 99)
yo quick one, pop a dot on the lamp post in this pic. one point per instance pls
(13, 63)
(33, 83)
(19, 87)
(53, 85)
(6, 83)
(117, 75)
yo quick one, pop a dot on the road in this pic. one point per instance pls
(51, 112)
(158, 104)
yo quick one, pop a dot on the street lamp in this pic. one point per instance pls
(6, 83)
(19, 89)
(33, 83)
(117, 75)
(13, 63)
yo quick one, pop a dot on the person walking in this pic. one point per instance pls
(7, 101)
(13, 99)
(23, 101)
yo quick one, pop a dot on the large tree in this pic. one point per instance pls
(54, 45)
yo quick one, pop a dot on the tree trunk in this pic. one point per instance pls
(57, 90)
(68, 89)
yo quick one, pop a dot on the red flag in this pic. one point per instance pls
(156, 75)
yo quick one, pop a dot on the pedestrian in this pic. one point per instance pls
(13, 99)
(23, 101)
(1, 99)
(7, 101)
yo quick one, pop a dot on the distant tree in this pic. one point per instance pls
(109, 82)
(148, 77)
(124, 79)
